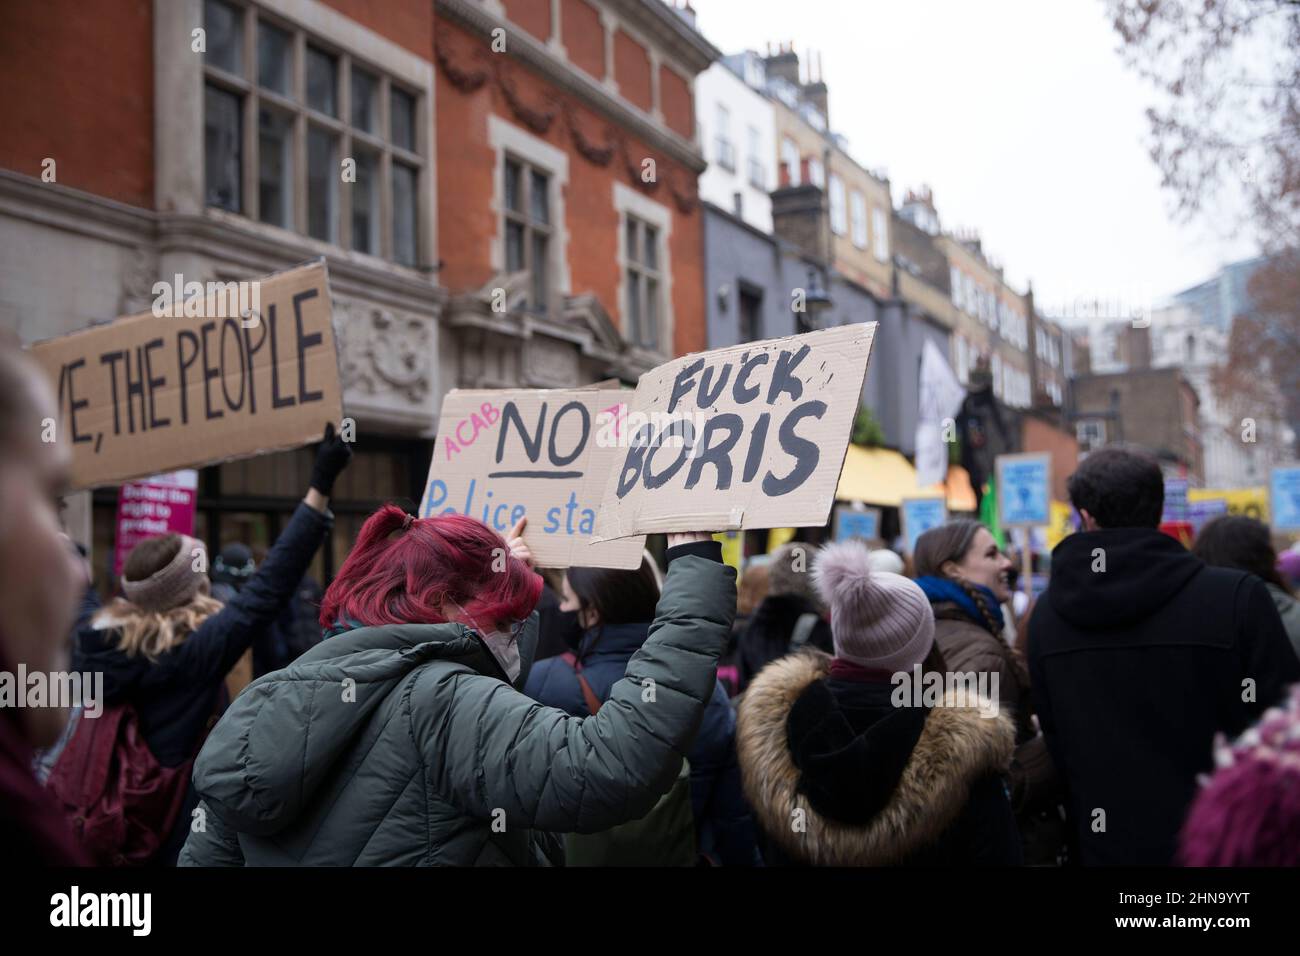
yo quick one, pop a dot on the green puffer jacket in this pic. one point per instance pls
(404, 745)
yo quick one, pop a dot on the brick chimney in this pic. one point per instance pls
(814, 91)
(784, 63)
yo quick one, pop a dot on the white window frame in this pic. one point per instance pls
(790, 156)
(755, 168)
(309, 24)
(839, 214)
(724, 148)
(629, 201)
(879, 234)
(506, 139)
(961, 358)
(816, 172)
(858, 218)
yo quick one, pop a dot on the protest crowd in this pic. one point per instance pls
(449, 433)
(454, 704)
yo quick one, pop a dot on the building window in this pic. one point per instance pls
(790, 160)
(954, 280)
(880, 234)
(839, 217)
(757, 173)
(816, 172)
(1091, 433)
(751, 314)
(858, 217)
(323, 158)
(223, 136)
(528, 228)
(724, 151)
(644, 282)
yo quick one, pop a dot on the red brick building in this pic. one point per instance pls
(567, 187)
(521, 208)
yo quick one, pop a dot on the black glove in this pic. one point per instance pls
(332, 456)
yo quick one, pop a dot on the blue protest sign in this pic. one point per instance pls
(1024, 490)
(1284, 497)
(853, 522)
(919, 516)
(1176, 505)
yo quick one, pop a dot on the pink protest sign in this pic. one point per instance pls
(156, 505)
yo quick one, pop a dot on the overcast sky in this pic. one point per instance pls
(1021, 117)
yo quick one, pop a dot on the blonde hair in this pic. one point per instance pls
(154, 633)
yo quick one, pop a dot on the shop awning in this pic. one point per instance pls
(881, 476)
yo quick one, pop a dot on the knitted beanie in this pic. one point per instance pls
(882, 559)
(1248, 812)
(172, 585)
(787, 572)
(878, 619)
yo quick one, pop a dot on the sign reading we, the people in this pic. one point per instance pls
(749, 436)
(544, 454)
(212, 372)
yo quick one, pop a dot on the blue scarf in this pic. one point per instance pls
(942, 589)
(341, 626)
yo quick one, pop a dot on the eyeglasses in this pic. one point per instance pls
(516, 627)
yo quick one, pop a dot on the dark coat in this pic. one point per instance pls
(404, 745)
(770, 630)
(868, 783)
(1135, 669)
(967, 646)
(723, 824)
(296, 631)
(176, 695)
(558, 631)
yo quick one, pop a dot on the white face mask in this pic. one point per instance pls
(505, 648)
(504, 645)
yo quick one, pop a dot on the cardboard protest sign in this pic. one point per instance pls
(919, 515)
(750, 436)
(1024, 489)
(236, 369)
(546, 454)
(851, 522)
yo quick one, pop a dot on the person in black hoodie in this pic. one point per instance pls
(788, 618)
(845, 765)
(166, 646)
(1139, 654)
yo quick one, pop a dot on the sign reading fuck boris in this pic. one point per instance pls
(749, 436)
(234, 369)
(544, 454)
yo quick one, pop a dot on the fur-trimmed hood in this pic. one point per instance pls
(954, 746)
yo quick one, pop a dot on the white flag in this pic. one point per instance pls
(941, 397)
